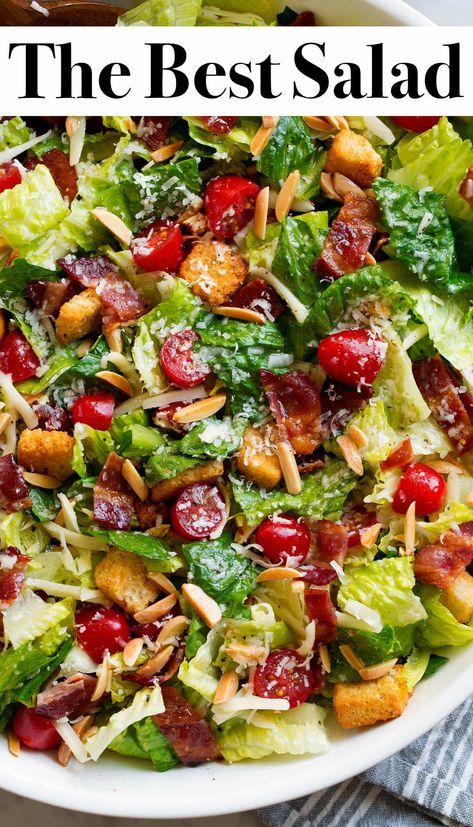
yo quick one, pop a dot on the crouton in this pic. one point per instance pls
(214, 271)
(257, 459)
(199, 473)
(122, 576)
(459, 597)
(369, 702)
(46, 452)
(78, 317)
(352, 155)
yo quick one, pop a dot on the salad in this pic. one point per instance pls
(236, 428)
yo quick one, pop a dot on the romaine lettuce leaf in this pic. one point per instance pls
(221, 571)
(145, 740)
(213, 16)
(163, 190)
(31, 209)
(19, 665)
(162, 13)
(440, 628)
(288, 605)
(146, 702)
(166, 464)
(14, 132)
(213, 438)
(145, 545)
(267, 9)
(396, 386)
(291, 147)
(199, 673)
(454, 514)
(15, 277)
(29, 617)
(387, 586)
(300, 243)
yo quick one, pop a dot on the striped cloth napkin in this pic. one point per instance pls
(428, 782)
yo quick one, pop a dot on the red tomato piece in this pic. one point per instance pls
(353, 357)
(229, 203)
(34, 730)
(416, 123)
(356, 521)
(95, 410)
(100, 630)
(159, 247)
(198, 512)
(180, 363)
(284, 675)
(10, 176)
(283, 537)
(422, 485)
(17, 357)
(219, 124)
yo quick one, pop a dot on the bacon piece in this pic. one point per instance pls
(12, 567)
(400, 457)
(53, 418)
(318, 675)
(120, 301)
(113, 500)
(319, 607)
(219, 124)
(307, 465)
(349, 237)
(439, 564)
(188, 733)
(13, 489)
(49, 296)
(67, 699)
(318, 575)
(65, 176)
(153, 130)
(87, 270)
(338, 403)
(295, 404)
(439, 388)
(260, 296)
(356, 521)
(466, 187)
(332, 541)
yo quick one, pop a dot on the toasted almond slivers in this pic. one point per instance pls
(155, 663)
(289, 468)
(132, 651)
(351, 657)
(116, 380)
(261, 139)
(338, 121)
(260, 217)
(325, 657)
(113, 223)
(350, 453)
(442, 466)
(134, 480)
(156, 610)
(102, 679)
(378, 670)
(166, 152)
(4, 421)
(286, 195)
(227, 687)
(41, 480)
(14, 745)
(206, 607)
(246, 652)
(200, 409)
(113, 337)
(270, 121)
(173, 629)
(357, 436)
(319, 123)
(278, 573)
(410, 530)
(244, 314)
(84, 347)
(327, 187)
(343, 185)
(80, 728)
(162, 582)
(370, 535)
(370, 260)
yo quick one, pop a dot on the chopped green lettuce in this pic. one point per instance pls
(166, 464)
(288, 605)
(415, 667)
(145, 740)
(136, 541)
(19, 665)
(15, 277)
(440, 627)
(162, 13)
(14, 132)
(29, 617)
(31, 209)
(222, 573)
(199, 673)
(454, 514)
(213, 438)
(396, 385)
(290, 148)
(300, 244)
(146, 702)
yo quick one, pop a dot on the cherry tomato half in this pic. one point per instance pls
(10, 176)
(353, 357)
(282, 537)
(95, 410)
(229, 203)
(422, 485)
(17, 357)
(198, 512)
(285, 675)
(416, 123)
(180, 363)
(159, 247)
(34, 730)
(219, 124)
(100, 629)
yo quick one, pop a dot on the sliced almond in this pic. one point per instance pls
(370, 535)
(113, 223)
(102, 679)
(270, 121)
(338, 121)
(41, 480)
(243, 314)
(5, 420)
(442, 466)
(166, 152)
(351, 454)
(116, 380)
(134, 480)
(206, 607)
(200, 409)
(84, 347)
(81, 729)
(155, 663)
(132, 651)
(410, 530)
(261, 139)
(357, 436)
(286, 195)
(245, 653)
(156, 610)
(75, 129)
(378, 670)
(351, 657)
(260, 217)
(173, 629)
(289, 468)
(328, 188)
(325, 657)
(227, 687)
(318, 123)
(159, 530)
(344, 185)
(278, 573)
(14, 745)
(162, 582)
(369, 260)
(113, 337)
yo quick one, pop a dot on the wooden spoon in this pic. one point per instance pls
(61, 13)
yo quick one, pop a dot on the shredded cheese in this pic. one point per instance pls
(15, 402)
(299, 310)
(10, 153)
(70, 518)
(65, 590)
(65, 730)
(72, 538)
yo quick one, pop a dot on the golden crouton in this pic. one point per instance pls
(352, 155)
(123, 578)
(214, 271)
(369, 702)
(257, 460)
(208, 472)
(46, 452)
(459, 597)
(78, 317)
